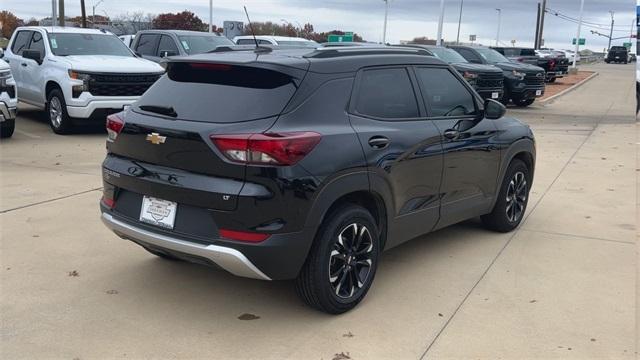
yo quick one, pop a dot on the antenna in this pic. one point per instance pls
(251, 27)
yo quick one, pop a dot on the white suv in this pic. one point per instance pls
(75, 73)
(8, 101)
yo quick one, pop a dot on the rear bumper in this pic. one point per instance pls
(227, 258)
(6, 112)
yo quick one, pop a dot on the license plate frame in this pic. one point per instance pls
(158, 212)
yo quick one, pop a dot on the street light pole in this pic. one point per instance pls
(499, 20)
(440, 22)
(93, 19)
(210, 16)
(386, 14)
(575, 55)
(611, 31)
(459, 22)
(54, 15)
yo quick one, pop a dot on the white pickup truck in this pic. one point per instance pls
(8, 101)
(76, 73)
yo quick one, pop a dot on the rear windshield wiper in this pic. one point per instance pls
(162, 110)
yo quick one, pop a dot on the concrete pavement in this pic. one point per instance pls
(561, 286)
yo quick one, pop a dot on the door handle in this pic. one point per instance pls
(24, 64)
(379, 142)
(451, 134)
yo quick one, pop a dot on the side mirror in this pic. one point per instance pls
(33, 55)
(167, 53)
(494, 109)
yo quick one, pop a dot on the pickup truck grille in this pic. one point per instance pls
(490, 80)
(533, 80)
(121, 84)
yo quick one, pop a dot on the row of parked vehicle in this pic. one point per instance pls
(81, 75)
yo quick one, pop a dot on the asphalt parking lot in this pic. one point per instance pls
(561, 286)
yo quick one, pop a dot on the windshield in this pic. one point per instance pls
(63, 44)
(199, 44)
(447, 55)
(491, 55)
(311, 44)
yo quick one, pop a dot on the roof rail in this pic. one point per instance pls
(323, 53)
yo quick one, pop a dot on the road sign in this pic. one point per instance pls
(347, 37)
(472, 38)
(582, 41)
(627, 45)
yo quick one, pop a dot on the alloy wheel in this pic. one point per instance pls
(350, 262)
(516, 197)
(55, 112)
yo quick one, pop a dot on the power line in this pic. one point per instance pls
(584, 23)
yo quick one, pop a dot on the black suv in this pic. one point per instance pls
(523, 83)
(307, 163)
(617, 54)
(487, 80)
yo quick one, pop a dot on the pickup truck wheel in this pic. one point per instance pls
(342, 261)
(6, 128)
(552, 80)
(512, 199)
(59, 119)
(523, 102)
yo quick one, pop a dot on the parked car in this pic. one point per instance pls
(76, 74)
(275, 41)
(555, 66)
(632, 57)
(523, 83)
(127, 39)
(289, 185)
(487, 80)
(617, 54)
(8, 101)
(569, 54)
(155, 45)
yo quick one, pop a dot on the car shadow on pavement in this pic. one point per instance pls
(33, 115)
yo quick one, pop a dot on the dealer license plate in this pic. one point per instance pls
(158, 212)
(495, 95)
(538, 92)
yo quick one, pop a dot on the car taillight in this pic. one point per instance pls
(267, 149)
(243, 236)
(109, 202)
(115, 124)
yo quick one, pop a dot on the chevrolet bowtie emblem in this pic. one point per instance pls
(156, 138)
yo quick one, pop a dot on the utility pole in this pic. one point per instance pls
(440, 23)
(386, 14)
(210, 16)
(459, 22)
(611, 31)
(576, 54)
(61, 11)
(54, 15)
(499, 20)
(84, 14)
(542, 15)
(536, 44)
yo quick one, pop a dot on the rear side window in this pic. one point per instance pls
(444, 93)
(147, 44)
(386, 94)
(220, 93)
(21, 42)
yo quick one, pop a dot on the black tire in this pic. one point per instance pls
(314, 284)
(552, 80)
(60, 125)
(6, 128)
(523, 102)
(501, 219)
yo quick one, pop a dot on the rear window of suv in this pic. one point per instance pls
(220, 93)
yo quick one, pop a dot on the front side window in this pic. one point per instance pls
(65, 44)
(21, 42)
(147, 44)
(386, 94)
(444, 93)
(167, 45)
(37, 43)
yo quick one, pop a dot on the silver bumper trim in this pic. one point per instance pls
(229, 259)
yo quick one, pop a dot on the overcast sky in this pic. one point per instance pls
(407, 18)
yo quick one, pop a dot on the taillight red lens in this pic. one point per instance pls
(110, 203)
(243, 236)
(267, 149)
(115, 124)
(552, 64)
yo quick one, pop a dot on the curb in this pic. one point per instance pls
(568, 90)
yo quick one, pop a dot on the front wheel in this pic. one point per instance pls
(342, 262)
(6, 128)
(512, 199)
(59, 119)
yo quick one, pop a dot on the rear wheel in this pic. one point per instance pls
(512, 199)
(342, 262)
(59, 119)
(523, 102)
(6, 128)
(552, 80)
